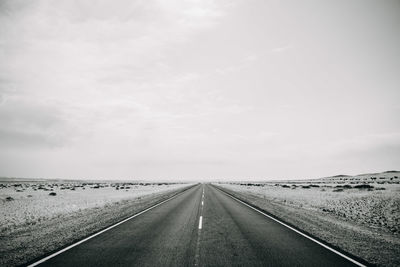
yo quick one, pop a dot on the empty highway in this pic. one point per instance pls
(199, 227)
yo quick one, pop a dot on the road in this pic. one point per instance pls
(200, 227)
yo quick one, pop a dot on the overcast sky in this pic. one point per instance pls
(199, 89)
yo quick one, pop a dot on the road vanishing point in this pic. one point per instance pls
(201, 226)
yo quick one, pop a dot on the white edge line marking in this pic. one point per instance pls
(200, 222)
(98, 233)
(297, 231)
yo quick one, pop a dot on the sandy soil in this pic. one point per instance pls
(39, 217)
(359, 214)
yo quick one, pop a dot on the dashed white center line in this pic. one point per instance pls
(197, 255)
(201, 222)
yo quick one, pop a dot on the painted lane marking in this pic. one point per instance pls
(102, 231)
(297, 231)
(200, 222)
(197, 254)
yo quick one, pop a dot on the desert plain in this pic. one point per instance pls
(358, 214)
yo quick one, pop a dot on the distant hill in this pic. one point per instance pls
(391, 171)
(380, 176)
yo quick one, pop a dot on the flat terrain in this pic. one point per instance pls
(360, 214)
(37, 217)
(28, 203)
(200, 227)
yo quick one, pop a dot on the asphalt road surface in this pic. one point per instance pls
(199, 229)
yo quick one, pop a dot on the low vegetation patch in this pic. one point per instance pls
(364, 186)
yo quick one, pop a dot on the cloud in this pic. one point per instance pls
(281, 48)
(186, 83)
(82, 57)
(379, 145)
(30, 123)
